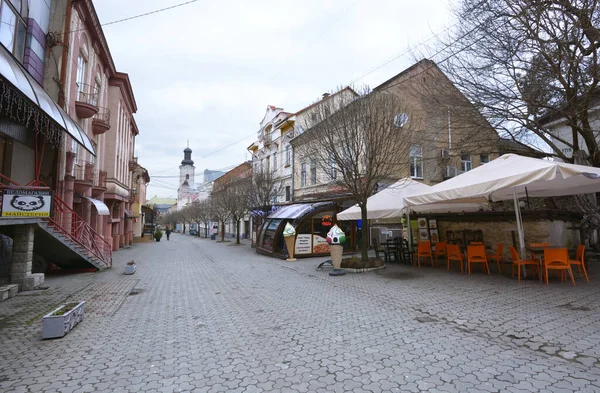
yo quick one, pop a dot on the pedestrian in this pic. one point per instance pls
(168, 232)
(213, 232)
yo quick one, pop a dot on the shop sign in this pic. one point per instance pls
(303, 244)
(20, 202)
(327, 221)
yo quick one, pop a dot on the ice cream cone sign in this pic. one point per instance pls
(336, 238)
(289, 234)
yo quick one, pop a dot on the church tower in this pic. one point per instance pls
(186, 177)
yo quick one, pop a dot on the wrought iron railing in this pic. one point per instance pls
(87, 93)
(65, 221)
(84, 171)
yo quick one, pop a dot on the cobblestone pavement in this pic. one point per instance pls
(213, 317)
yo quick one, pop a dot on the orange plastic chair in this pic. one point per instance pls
(453, 254)
(440, 251)
(517, 263)
(579, 261)
(476, 254)
(424, 251)
(557, 259)
(497, 257)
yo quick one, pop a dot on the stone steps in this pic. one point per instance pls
(8, 291)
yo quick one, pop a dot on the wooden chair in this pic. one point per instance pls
(453, 254)
(497, 256)
(579, 261)
(376, 247)
(476, 254)
(518, 263)
(424, 251)
(557, 259)
(405, 252)
(440, 251)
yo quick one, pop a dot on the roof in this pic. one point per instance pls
(323, 99)
(426, 62)
(155, 200)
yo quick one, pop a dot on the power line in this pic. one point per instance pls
(138, 16)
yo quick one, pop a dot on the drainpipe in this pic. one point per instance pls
(449, 131)
(65, 55)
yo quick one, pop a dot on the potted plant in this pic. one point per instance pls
(130, 267)
(62, 320)
(158, 234)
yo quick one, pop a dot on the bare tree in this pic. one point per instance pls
(358, 147)
(526, 63)
(264, 190)
(236, 198)
(220, 207)
(204, 214)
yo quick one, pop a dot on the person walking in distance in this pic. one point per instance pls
(168, 233)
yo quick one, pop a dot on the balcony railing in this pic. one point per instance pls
(101, 121)
(86, 104)
(84, 171)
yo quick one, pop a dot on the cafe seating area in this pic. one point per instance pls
(544, 261)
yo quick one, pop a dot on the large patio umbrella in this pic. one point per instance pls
(389, 203)
(510, 177)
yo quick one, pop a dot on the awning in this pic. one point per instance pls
(14, 73)
(297, 210)
(100, 206)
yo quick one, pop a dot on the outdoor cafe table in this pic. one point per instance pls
(538, 253)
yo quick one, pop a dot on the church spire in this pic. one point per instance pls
(187, 156)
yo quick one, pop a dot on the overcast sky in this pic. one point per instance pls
(206, 71)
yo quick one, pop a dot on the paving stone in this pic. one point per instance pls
(207, 317)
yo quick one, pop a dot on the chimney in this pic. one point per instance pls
(325, 95)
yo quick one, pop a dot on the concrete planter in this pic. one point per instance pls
(369, 269)
(129, 269)
(55, 326)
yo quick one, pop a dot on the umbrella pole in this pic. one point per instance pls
(519, 228)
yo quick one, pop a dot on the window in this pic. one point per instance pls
(313, 172)
(332, 167)
(13, 27)
(416, 161)
(274, 161)
(268, 165)
(288, 155)
(484, 158)
(465, 163)
(303, 174)
(96, 97)
(400, 120)
(81, 66)
(299, 130)
(287, 193)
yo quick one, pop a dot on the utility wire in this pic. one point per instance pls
(138, 16)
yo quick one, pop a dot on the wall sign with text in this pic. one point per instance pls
(21, 202)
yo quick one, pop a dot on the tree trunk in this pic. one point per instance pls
(206, 230)
(222, 230)
(183, 230)
(237, 231)
(364, 239)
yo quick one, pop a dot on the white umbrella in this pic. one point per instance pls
(510, 177)
(389, 203)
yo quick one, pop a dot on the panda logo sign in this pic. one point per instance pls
(26, 203)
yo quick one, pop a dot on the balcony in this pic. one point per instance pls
(83, 172)
(86, 104)
(101, 121)
(99, 183)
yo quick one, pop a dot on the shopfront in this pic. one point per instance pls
(312, 222)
